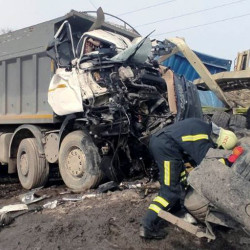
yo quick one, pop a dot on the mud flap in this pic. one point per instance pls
(188, 102)
(225, 189)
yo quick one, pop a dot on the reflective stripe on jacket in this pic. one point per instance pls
(192, 137)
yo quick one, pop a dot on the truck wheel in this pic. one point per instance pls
(33, 171)
(221, 119)
(248, 119)
(242, 166)
(79, 161)
(237, 122)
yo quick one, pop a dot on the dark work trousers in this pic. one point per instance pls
(172, 172)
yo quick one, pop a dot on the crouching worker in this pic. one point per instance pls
(190, 138)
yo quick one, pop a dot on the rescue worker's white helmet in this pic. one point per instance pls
(227, 139)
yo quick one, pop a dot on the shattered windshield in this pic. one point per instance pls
(137, 53)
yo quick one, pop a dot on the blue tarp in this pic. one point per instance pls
(209, 99)
(180, 65)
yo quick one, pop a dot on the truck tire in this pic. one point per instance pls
(33, 171)
(237, 122)
(242, 165)
(248, 119)
(79, 161)
(221, 119)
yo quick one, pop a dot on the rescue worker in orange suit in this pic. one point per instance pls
(190, 138)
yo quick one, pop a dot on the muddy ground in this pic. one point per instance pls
(107, 221)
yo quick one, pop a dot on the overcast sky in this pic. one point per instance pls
(219, 28)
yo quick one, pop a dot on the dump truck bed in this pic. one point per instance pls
(25, 72)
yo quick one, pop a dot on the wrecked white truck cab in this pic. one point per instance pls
(117, 99)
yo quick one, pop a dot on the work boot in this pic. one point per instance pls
(152, 234)
(160, 224)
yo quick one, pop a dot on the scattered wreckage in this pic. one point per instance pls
(216, 197)
(236, 87)
(225, 95)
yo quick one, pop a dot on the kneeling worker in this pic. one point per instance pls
(190, 138)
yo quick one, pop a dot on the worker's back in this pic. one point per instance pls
(192, 136)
